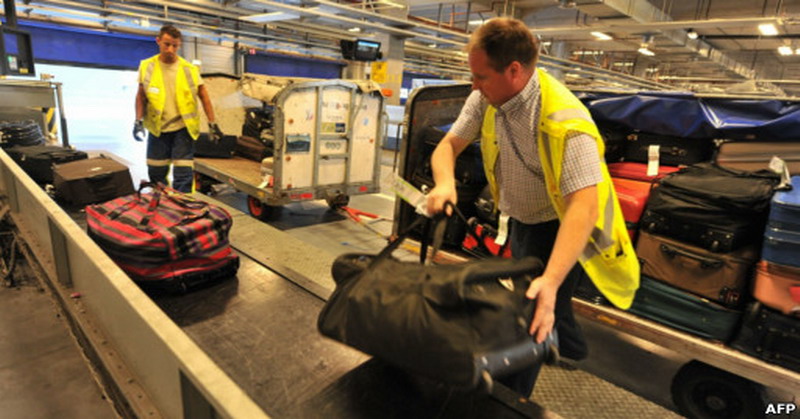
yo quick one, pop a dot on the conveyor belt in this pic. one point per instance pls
(260, 328)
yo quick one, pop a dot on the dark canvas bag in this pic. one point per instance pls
(458, 324)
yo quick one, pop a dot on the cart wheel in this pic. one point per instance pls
(702, 391)
(259, 209)
(337, 201)
(203, 183)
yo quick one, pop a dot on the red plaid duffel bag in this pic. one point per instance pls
(165, 239)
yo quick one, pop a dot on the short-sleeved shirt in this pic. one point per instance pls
(518, 170)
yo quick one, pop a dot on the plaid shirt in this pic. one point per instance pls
(523, 193)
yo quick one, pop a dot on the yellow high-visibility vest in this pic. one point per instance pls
(187, 81)
(608, 258)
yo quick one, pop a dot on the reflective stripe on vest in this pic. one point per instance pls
(608, 258)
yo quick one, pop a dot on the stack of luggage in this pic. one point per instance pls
(771, 327)
(699, 245)
(20, 133)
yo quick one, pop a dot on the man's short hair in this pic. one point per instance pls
(170, 30)
(505, 40)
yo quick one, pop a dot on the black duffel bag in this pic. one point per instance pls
(717, 208)
(460, 324)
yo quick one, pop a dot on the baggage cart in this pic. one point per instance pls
(327, 136)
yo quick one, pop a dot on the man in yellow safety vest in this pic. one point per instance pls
(167, 106)
(543, 158)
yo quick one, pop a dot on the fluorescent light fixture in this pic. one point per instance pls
(623, 64)
(197, 62)
(797, 51)
(768, 29)
(601, 36)
(785, 50)
(354, 29)
(646, 51)
(586, 52)
(270, 17)
(691, 34)
(476, 22)
(145, 22)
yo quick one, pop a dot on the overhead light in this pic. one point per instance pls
(768, 29)
(197, 62)
(601, 36)
(354, 29)
(587, 52)
(476, 22)
(785, 50)
(145, 22)
(691, 34)
(270, 17)
(644, 50)
(566, 4)
(797, 51)
(431, 45)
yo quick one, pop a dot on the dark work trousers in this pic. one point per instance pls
(175, 148)
(538, 240)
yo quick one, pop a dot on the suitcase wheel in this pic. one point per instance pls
(702, 391)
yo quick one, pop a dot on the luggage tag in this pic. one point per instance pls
(652, 159)
(407, 192)
(778, 165)
(502, 230)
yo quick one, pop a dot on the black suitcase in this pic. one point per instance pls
(20, 133)
(253, 148)
(38, 160)
(673, 151)
(771, 336)
(222, 149)
(713, 207)
(615, 138)
(670, 306)
(92, 180)
(257, 122)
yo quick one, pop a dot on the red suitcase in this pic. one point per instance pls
(778, 287)
(632, 196)
(486, 247)
(637, 171)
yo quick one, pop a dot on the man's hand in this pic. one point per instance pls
(139, 133)
(438, 196)
(544, 291)
(214, 133)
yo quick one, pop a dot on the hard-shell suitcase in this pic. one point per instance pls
(722, 277)
(668, 305)
(784, 209)
(614, 138)
(771, 336)
(222, 149)
(165, 238)
(781, 246)
(756, 155)
(638, 171)
(672, 151)
(713, 207)
(778, 287)
(632, 196)
(92, 180)
(38, 160)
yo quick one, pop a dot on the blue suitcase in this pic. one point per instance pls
(782, 235)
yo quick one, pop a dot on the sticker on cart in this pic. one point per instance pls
(333, 127)
(298, 143)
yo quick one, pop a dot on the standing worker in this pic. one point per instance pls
(166, 105)
(543, 157)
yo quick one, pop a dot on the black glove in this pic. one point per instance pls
(139, 133)
(214, 133)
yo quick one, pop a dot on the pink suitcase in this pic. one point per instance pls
(637, 171)
(778, 287)
(632, 196)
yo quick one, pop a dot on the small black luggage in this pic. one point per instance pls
(668, 305)
(253, 148)
(38, 160)
(92, 180)
(713, 207)
(771, 336)
(222, 149)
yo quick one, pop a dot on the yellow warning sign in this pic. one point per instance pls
(378, 74)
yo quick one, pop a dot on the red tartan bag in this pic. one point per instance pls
(165, 236)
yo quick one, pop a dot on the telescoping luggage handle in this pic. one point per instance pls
(159, 190)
